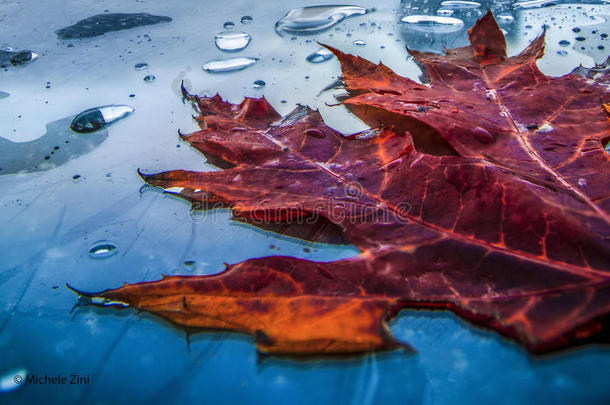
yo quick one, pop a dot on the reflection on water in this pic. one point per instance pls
(57, 146)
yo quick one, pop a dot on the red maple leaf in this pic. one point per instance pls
(485, 192)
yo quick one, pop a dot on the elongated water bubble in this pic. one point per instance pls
(447, 12)
(310, 20)
(460, 4)
(321, 55)
(533, 3)
(99, 117)
(232, 41)
(505, 18)
(228, 65)
(23, 57)
(102, 249)
(431, 23)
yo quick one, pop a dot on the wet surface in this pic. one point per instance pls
(53, 217)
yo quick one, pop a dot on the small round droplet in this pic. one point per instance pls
(140, 66)
(246, 19)
(483, 136)
(561, 52)
(228, 25)
(189, 263)
(582, 182)
(576, 29)
(505, 18)
(359, 42)
(232, 41)
(258, 84)
(149, 78)
(321, 55)
(563, 42)
(314, 132)
(102, 249)
(447, 12)
(580, 39)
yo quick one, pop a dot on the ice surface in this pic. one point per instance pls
(50, 219)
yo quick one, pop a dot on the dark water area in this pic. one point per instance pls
(103, 23)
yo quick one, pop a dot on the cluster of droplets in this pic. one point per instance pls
(450, 16)
(297, 22)
(232, 41)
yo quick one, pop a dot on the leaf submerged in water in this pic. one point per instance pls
(485, 192)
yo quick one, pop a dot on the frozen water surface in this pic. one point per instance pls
(52, 218)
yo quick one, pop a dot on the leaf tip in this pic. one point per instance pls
(487, 40)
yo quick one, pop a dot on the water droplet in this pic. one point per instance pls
(341, 94)
(561, 52)
(228, 65)
(430, 23)
(228, 25)
(140, 66)
(582, 182)
(505, 18)
(544, 128)
(321, 55)
(6, 48)
(460, 4)
(576, 29)
(102, 249)
(230, 41)
(23, 57)
(246, 19)
(314, 132)
(258, 84)
(563, 42)
(533, 3)
(580, 39)
(97, 118)
(483, 136)
(189, 263)
(447, 12)
(310, 20)
(359, 42)
(149, 78)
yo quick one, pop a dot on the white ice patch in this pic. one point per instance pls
(174, 189)
(545, 128)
